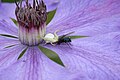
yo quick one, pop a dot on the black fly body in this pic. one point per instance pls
(64, 39)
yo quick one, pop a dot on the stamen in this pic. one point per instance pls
(32, 22)
(27, 3)
(16, 4)
(33, 3)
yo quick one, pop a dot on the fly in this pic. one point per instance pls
(64, 39)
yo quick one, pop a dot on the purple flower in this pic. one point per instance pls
(90, 58)
(10, 8)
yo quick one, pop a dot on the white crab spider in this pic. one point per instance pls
(51, 38)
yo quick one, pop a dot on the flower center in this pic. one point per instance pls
(32, 22)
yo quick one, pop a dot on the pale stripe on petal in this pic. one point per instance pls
(6, 42)
(8, 56)
(6, 28)
(87, 17)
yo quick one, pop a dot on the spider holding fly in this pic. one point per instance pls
(55, 39)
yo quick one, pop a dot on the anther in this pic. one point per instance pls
(32, 21)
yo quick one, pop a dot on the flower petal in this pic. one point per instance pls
(109, 42)
(8, 8)
(93, 58)
(51, 4)
(5, 42)
(6, 28)
(87, 17)
(9, 56)
(36, 66)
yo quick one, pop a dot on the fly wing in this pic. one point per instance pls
(66, 35)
